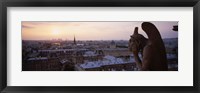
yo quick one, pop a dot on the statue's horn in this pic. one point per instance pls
(136, 30)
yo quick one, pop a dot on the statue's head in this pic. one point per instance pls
(137, 41)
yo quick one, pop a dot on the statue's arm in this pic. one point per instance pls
(147, 55)
(137, 59)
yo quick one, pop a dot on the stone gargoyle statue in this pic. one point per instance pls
(152, 49)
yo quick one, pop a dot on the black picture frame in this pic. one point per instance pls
(97, 3)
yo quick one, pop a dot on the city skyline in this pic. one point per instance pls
(33, 30)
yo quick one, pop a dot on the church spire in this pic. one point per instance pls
(74, 40)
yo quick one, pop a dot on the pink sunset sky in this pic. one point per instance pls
(90, 30)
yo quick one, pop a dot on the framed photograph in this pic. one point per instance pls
(99, 46)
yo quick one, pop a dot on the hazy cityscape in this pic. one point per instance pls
(75, 54)
(56, 55)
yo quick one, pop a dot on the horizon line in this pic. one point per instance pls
(81, 40)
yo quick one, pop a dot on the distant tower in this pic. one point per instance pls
(74, 40)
